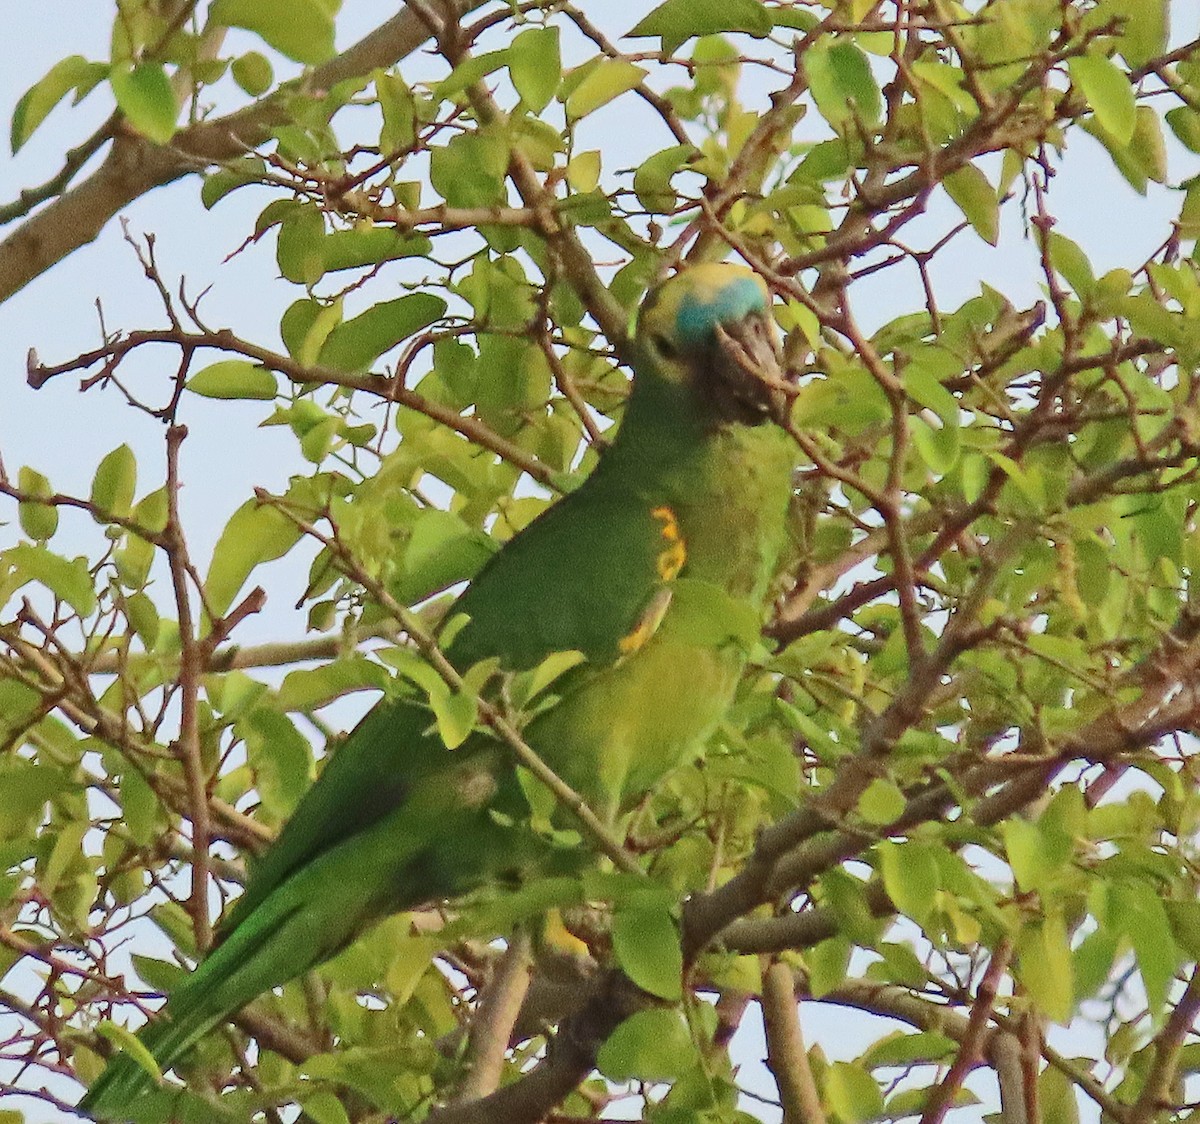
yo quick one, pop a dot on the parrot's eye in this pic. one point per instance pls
(664, 346)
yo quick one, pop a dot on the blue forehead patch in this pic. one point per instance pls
(700, 312)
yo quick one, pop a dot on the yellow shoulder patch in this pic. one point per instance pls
(669, 562)
(672, 557)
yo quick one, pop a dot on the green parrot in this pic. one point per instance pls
(651, 570)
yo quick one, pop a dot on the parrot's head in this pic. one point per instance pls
(708, 332)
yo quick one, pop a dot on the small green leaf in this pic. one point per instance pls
(583, 170)
(38, 520)
(652, 179)
(399, 109)
(300, 29)
(1056, 1093)
(442, 550)
(881, 803)
(323, 1107)
(608, 79)
(474, 69)
(234, 378)
(1143, 28)
(1137, 910)
(70, 581)
(853, 1093)
(976, 198)
(355, 344)
(130, 1044)
(252, 71)
(646, 945)
(145, 95)
(1184, 122)
(1108, 91)
(256, 533)
(456, 713)
(550, 669)
(300, 251)
(139, 807)
(1046, 968)
(536, 66)
(910, 876)
(280, 758)
(1069, 260)
(651, 1045)
(1023, 846)
(73, 73)
(842, 84)
(827, 964)
(369, 245)
(115, 482)
(676, 21)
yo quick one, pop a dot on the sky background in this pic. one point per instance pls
(65, 434)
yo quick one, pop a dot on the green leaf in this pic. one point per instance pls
(1143, 27)
(252, 71)
(1069, 260)
(234, 378)
(355, 344)
(1108, 91)
(131, 1045)
(115, 482)
(73, 73)
(652, 1045)
(853, 1093)
(300, 251)
(469, 170)
(652, 179)
(1184, 122)
(1023, 846)
(1144, 158)
(827, 964)
(280, 758)
(399, 109)
(1138, 911)
(38, 520)
(646, 945)
(842, 84)
(300, 29)
(910, 876)
(308, 688)
(139, 807)
(676, 21)
(555, 665)
(256, 533)
(70, 581)
(1056, 1095)
(369, 245)
(881, 803)
(68, 847)
(608, 79)
(535, 65)
(323, 1107)
(442, 550)
(474, 69)
(145, 95)
(456, 713)
(1046, 968)
(976, 198)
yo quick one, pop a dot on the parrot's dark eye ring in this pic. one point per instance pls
(664, 347)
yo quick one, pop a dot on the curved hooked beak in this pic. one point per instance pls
(749, 382)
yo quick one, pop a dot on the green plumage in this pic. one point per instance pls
(651, 569)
